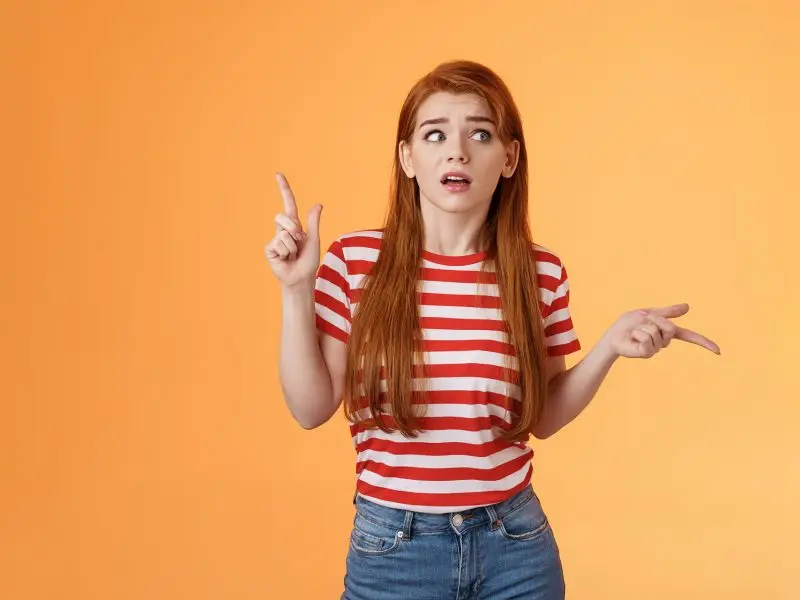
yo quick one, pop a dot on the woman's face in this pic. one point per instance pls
(456, 154)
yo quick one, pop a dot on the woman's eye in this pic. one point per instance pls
(437, 136)
(431, 136)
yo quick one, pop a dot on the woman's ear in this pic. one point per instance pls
(404, 152)
(512, 159)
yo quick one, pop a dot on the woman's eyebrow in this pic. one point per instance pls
(470, 118)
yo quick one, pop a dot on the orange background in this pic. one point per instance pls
(145, 450)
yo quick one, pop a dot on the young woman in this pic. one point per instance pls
(444, 334)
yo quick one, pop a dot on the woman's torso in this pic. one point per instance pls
(459, 460)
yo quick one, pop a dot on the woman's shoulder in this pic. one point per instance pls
(362, 244)
(548, 261)
(546, 254)
(363, 236)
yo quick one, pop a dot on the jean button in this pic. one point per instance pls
(458, 520)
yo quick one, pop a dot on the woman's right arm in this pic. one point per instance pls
(311, 364)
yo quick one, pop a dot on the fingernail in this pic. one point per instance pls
(644, 312)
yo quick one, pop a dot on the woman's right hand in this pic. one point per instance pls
(293, 254)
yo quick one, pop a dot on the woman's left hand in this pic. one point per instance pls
(642, 333)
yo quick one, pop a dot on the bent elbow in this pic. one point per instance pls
(313, 419)
(541, 433)
(310, 423)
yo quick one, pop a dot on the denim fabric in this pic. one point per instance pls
(496, 552)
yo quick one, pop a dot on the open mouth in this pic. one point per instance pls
(456, 182)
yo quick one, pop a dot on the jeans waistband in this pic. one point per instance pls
(413, 521)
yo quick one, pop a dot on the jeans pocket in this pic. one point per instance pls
(525, 522)
(373, 539)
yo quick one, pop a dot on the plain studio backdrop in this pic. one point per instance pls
(145, 449)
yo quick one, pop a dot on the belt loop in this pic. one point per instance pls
(407, 525)
(493, 518)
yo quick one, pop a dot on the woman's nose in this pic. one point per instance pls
(457, 151)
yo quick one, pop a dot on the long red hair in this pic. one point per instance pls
(386, 337)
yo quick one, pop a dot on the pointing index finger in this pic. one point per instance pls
(687, 335)
(289, 203)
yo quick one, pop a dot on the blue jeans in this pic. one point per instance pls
(496, 552)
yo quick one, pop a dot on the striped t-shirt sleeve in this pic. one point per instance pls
(560, 336)
(332, 294)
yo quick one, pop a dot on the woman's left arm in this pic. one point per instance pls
(636, 334)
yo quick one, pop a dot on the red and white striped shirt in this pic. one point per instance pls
(458, 461)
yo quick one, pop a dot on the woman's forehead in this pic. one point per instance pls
(447, 104)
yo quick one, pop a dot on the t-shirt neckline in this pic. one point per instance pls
(455, 260)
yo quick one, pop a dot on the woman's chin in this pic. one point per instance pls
(458, 203)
